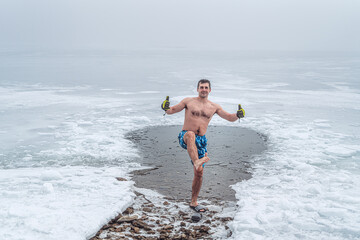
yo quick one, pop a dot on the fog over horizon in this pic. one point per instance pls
(279, 25)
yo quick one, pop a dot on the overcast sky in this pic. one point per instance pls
(189, 24)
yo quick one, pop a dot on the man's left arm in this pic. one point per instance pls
(232, 117)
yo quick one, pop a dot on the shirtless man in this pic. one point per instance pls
(198, 113)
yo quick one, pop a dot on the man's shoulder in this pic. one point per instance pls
(188, 101)
(214, 105)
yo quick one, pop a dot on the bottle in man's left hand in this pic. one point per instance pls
(240, 112)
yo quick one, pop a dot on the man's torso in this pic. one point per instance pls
(198, 115)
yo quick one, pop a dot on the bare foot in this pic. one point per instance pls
(198, 163)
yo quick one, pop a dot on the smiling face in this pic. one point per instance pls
(204, 90)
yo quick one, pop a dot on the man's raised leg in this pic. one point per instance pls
(189, 139)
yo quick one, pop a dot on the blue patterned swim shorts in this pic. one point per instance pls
(200, 141)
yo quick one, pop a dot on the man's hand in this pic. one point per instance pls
(241, 112)
(166, 104)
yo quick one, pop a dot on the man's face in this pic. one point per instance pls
(204, 90)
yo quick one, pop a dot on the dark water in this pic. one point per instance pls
(230, 149)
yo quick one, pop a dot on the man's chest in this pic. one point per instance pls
(200, 111)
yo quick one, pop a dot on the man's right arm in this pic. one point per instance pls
(178, 107)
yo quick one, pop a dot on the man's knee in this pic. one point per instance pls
(199, 172)
(189, 136)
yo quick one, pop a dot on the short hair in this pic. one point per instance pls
(204, 81)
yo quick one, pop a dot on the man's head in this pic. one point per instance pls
(204, 88)
(204, 81)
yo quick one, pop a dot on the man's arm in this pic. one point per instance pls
(232, 117)
(178, 107)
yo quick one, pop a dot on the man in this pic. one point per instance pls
(198, 113)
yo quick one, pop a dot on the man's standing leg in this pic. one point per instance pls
(189, 139)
